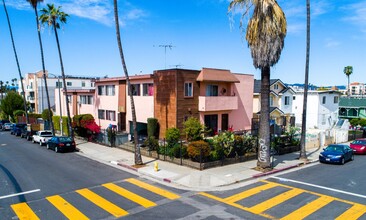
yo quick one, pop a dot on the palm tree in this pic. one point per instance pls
(52, 16)
(138, 159)
(265, 35)
(34, 4)
(348, 71)
(2, 89)
(306, 85)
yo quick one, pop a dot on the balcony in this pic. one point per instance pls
(217, 103)
(29, 88)
(30, 99)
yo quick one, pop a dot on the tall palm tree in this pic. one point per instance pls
(265, 34)
(138, 159)
(306, 85)
(53, 17)
(348, 70)
(34, 4)
(2, 89)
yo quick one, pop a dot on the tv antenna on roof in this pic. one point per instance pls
(170, 46)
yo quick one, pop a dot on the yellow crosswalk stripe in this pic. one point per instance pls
(309, 208)
(66, 208)
(102, 203)
(261, 207)
(24, 212)
(356, 211)
(129, 195)
(250, 192)
(153, 189)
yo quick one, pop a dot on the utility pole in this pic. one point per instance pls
(170, 46)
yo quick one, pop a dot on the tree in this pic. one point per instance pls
(17, 61)
(12, 101)
(348, 71)
(34, 4)
(306, 85)
(265, 34)
(2, 89)
(53, 17)
(138, 159)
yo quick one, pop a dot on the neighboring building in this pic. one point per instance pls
(357, 89)
(35, 90)
(281, 103)
(219, 98)
(322, 108)
(350, 108)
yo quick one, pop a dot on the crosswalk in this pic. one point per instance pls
(265, 208)
(69, 210)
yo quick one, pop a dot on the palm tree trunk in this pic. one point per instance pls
(349, 89)
(17, 61)
(138, 159)
(71, 133)
(306, 85)
(44, 72)
(264, 129)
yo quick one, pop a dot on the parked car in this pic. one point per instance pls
(17, 129)
(61, 144)
(7, 126)
(336, 153)
(27, 134)
(42, 137)
(359, 146)
(2, 122)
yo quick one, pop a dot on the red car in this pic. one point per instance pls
(359, 146)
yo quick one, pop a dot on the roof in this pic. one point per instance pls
(116, 79)
(272, 109)
(216, 75)
(257, 84)
(352, 102)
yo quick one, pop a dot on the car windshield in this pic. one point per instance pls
(334, 148)
(361, 142)
(65, 139)
(46, 134)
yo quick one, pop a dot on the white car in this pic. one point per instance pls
(42, 137)
(7, 126)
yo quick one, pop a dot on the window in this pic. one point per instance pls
(110, 90)
(86, 99)
(69, 98)
(58, 84)
(212, 90)
(101, 114)
(69, 83)
(110, 115)
(135, 89)
(101, 90)
(336, 99)
(147, 89)
(188, 89)
(275, 86)
(323, 119)
(324, 100)
(82, 83)
(271, 101)
(287, 100)
(293, 97)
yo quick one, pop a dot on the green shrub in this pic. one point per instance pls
(195, 148)
(151, 143)
(45, 114)
(17, 113)
(227, 142)
(354, 121)
(193, 129)
(152, 127)
(172, 136)
(176, 151)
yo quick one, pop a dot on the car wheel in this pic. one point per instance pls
(40, 143)
(48, 146)
(33, 141)
(342, 160)
(56, 150)
(352, 157)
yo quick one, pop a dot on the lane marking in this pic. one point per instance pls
(18, 194)
(66, 208)
(24, 212)
(102, 203)
(320, 187)
(355, 212)
(153, 189)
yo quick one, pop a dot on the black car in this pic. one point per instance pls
(61, 144)
(2, 122)
(27, 134)
(17, 129)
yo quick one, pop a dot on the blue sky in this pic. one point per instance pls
(201, 32)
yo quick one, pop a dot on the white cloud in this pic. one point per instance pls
(356, 13)
(331, 43)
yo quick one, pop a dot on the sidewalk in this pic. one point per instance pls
(185, 177)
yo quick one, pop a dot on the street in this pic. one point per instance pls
(37, 183)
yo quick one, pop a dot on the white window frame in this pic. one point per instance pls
(110, 115)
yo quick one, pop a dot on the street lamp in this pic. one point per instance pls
(59, 99)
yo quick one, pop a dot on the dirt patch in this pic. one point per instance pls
(263, 170)
(138, 166)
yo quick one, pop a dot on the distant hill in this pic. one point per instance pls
(314, 87)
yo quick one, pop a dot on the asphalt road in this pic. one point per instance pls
(69, 186)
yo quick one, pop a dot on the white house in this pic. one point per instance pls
(322, 108)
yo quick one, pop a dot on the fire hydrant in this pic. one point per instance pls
(156, 166)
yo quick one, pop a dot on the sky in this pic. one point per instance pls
(200, 33)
